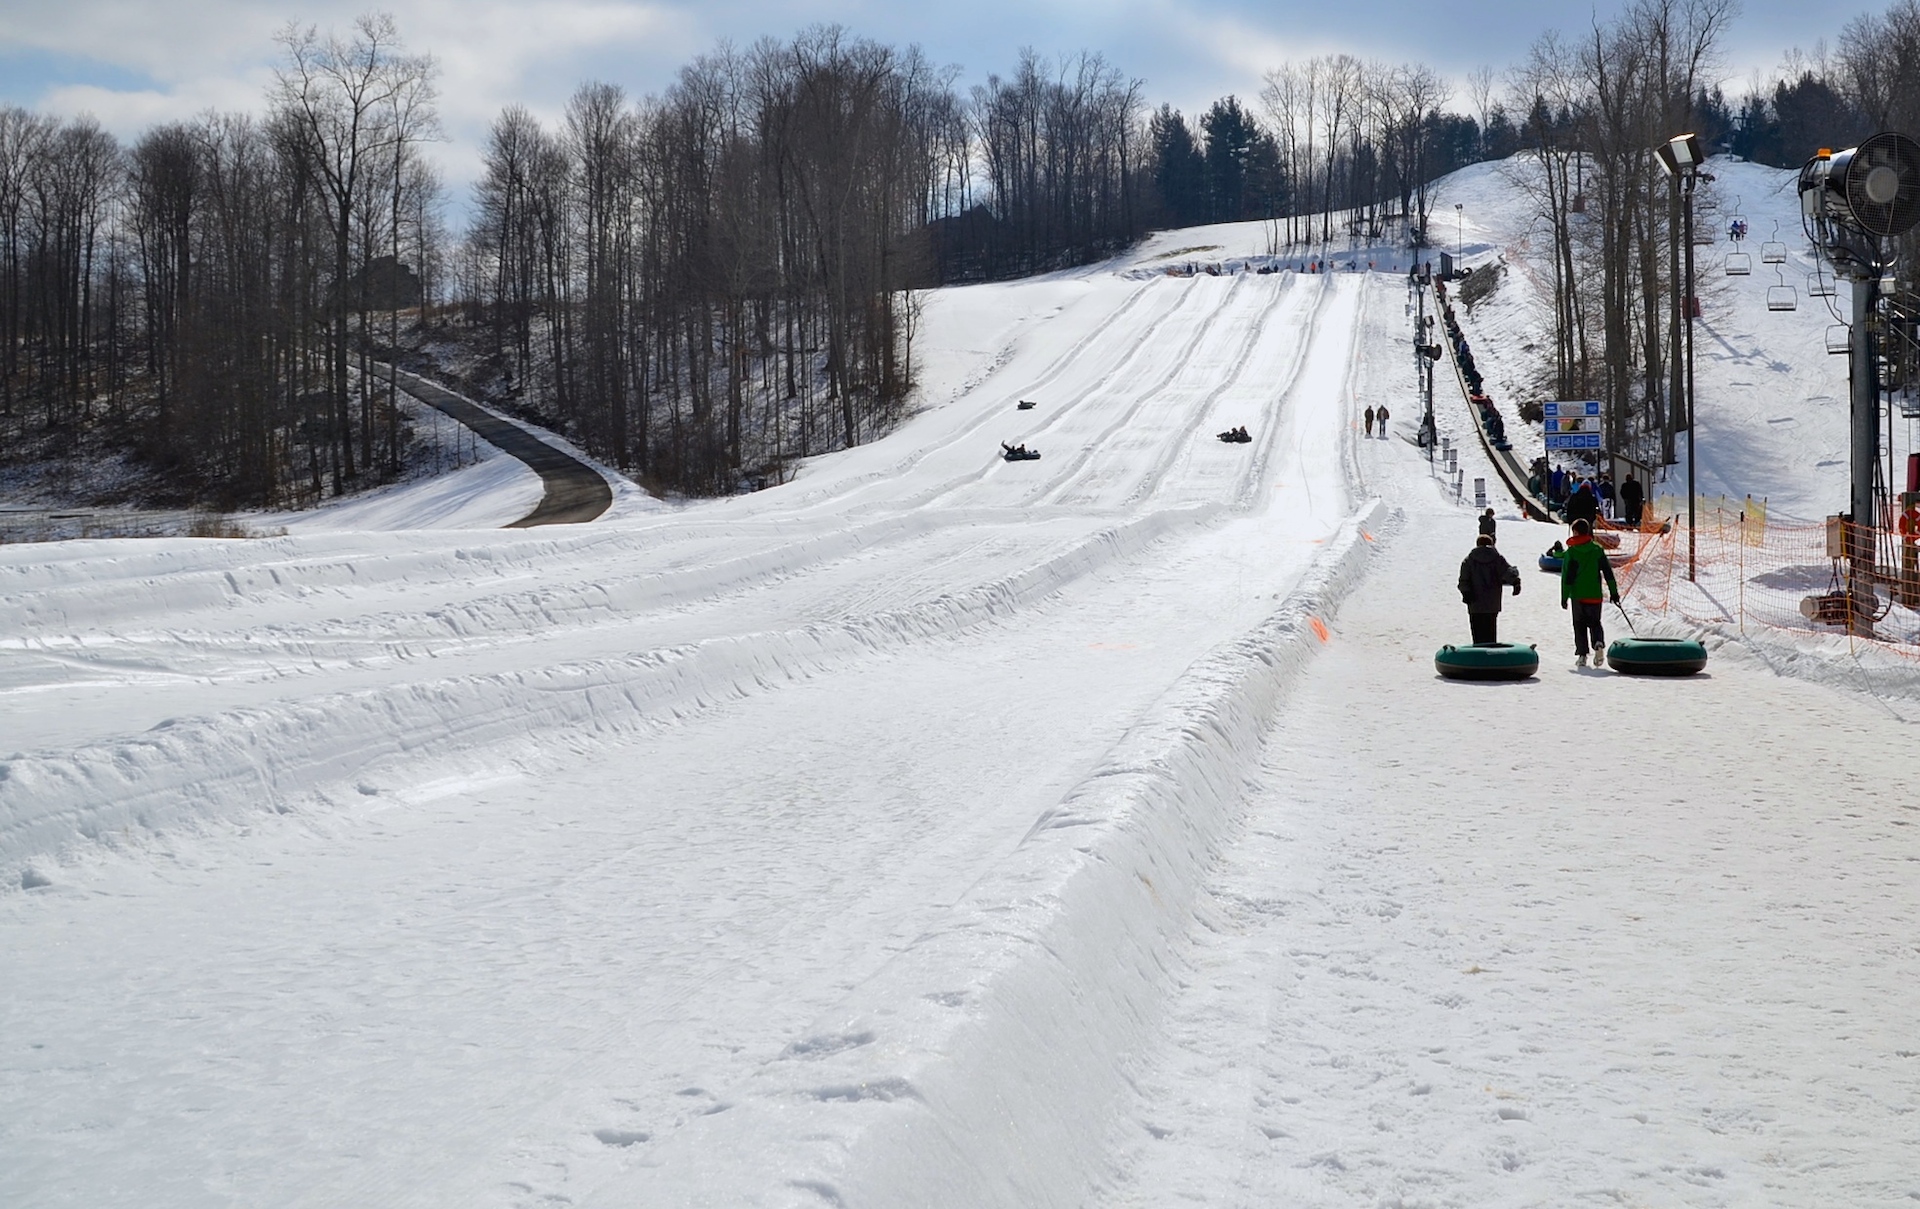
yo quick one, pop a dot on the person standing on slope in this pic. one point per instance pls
(1482, 574)
(1583, 566)
(1487, 523)
(1583, 505)
(1369, 418)
(1380, 417)
(1631, 500)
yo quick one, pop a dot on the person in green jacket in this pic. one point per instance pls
(1582, 568)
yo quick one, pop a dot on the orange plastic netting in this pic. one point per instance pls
(1755, 570)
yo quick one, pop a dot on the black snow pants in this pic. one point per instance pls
(1486, 626)
(1586, 623)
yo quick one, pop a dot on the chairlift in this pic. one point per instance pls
(1909, 403)
(1782, 297)
(1773, 251)
(1579, 203)
(1839, 339)
(1820, 284)
(1739, 264)
(1737, 225)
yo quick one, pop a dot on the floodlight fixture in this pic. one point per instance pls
(1680, 155)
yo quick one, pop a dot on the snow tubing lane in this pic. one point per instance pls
(1487, 661)
(1657, 656)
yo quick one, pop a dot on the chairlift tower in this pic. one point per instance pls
(1853, 203)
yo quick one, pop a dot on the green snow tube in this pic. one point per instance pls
(1487, 661)
(1657, 656)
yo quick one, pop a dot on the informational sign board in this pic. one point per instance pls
(1573, 440)
(1572, 425)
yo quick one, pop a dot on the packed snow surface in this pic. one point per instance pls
(938, 829)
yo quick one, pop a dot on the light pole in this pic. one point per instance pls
(1459, 238)
(1680, 157)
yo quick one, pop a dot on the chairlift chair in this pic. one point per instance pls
(1820, 284)
(1782, 297)
(1839, 339)
(1739, 264)
(1773, 251)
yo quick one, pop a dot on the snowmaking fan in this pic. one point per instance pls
(1852, 199)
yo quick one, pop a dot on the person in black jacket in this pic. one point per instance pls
(1487, 522)
(1632, 498)
(1482, 574)
(1583, 505)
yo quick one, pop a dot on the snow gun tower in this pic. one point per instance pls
(1854, 203)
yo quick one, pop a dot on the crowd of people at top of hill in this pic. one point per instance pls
(1578, 496)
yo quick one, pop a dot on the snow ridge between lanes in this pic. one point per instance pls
(185, 772)
(978, 1067)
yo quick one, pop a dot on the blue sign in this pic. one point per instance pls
(1573, 440)
(1589, 407)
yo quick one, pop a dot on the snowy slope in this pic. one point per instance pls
(181, 710)
(936, 829)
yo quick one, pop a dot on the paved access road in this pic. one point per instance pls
(576, 492)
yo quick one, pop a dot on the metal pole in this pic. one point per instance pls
(1865, 403)
(1693, 430)
(1676, 392)
(1423, 365)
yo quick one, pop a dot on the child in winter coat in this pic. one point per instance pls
(1582, 568)
(1482, 574)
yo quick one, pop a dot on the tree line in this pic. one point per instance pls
(708, 284)
(208, 291)
(701, 287)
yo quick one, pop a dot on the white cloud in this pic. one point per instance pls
(171, 43)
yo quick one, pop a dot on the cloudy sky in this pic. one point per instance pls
(134, 62)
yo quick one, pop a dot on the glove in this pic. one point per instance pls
(1563, 602)
(1516, 587)
(1616, 598)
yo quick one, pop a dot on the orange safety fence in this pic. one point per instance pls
(1753, 571)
